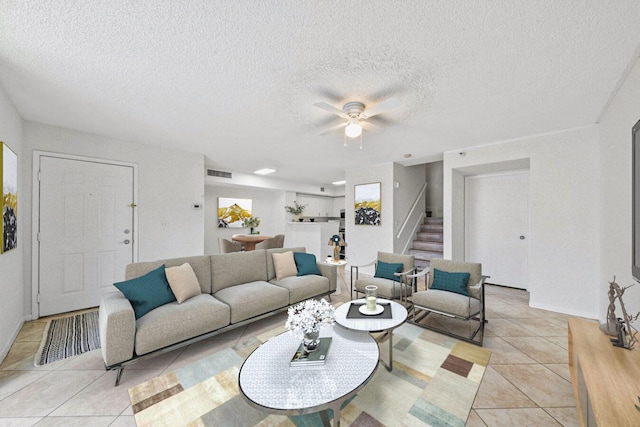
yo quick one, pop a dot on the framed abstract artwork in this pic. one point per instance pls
(231, 212)
(9, 185)
(367, 204)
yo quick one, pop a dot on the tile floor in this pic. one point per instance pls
(527, 381)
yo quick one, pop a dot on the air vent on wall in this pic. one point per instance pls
(211, 172)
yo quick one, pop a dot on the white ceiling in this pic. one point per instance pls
(237, 80)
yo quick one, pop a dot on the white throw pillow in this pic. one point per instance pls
(183, 282)
(284, 264)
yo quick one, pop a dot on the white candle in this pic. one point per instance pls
(371, 303)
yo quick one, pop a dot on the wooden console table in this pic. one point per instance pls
(606, 379)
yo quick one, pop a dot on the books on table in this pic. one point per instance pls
(318, 357)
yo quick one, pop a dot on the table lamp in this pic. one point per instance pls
(337, 242)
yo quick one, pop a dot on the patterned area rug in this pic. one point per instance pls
(434, 382)
(68, 336)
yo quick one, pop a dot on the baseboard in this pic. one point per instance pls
(7, 347)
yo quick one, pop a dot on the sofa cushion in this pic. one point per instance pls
(304, 287)
(284, 265)
(447, 302)
(252, 299)
(386, 288)
(306, 263)
(452, 282)
(271, 272)
(183, 282)
(175, 322)
(385, 270)
(147, 292)
(201, 267)
(237, 268)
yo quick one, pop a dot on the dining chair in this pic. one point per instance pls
(227, 246)
(276, 241)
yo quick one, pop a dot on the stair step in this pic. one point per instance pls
(431, 228)
(432, 220)
(420, 264)
(419, 254)
(428, 246)
(429, 237)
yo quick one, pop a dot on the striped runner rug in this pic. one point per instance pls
(67, 337)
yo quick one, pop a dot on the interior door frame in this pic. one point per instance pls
(35, 215)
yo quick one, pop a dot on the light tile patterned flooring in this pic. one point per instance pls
(527, 381)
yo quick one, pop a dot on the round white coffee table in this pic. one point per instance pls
(374, 323)
(267, 382)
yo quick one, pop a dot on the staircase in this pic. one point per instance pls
(428, 243)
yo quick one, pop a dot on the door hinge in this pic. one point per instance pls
(39, 175)
(38, 298)
(38, 236)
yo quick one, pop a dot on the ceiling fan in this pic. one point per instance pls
(356, 116)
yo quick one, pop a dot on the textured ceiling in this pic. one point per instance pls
(237, 80)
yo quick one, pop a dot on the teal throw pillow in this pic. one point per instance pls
(452, 282)
(385, 270)
(306, 264)
(147, 292)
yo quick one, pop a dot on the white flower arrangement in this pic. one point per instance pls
(309, 316)
(252, 221)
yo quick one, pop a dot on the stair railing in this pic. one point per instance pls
(415, 229)
(413, 208)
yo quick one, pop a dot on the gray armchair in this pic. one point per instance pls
(447, 297)
(393, 285)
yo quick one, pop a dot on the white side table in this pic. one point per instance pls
(341, 267)
(373, 323)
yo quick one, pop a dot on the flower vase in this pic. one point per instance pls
(311, 341)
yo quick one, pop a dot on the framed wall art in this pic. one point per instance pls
(231, 212)
(367, 204)
(9, 185)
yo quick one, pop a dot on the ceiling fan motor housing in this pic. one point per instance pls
(353, 109)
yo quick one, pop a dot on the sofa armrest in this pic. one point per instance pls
(117, 324)
(331, 272)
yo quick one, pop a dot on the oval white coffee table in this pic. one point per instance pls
(267, 382)
(374, 323)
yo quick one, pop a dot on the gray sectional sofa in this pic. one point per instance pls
(237, 288)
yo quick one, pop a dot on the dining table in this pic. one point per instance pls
(249, 240)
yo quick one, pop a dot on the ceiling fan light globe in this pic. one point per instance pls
(353, 130)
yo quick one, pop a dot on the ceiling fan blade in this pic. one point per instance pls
(371, 127)
(386, 105)
(331, 109)
(332, 128)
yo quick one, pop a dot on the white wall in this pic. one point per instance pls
(563, 214)
(364, 241)
(268, 205)
(11, 262)
(615, 192)
(408, 182)
(434, 189)
(169, 183)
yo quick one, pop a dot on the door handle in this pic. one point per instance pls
(126, 242)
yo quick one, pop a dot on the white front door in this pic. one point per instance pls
(497, 226)
(85, 237)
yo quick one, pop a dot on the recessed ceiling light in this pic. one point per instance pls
(339, 182)
(406, 156)
(265, 171)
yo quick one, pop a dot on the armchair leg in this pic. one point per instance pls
(119, 375)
